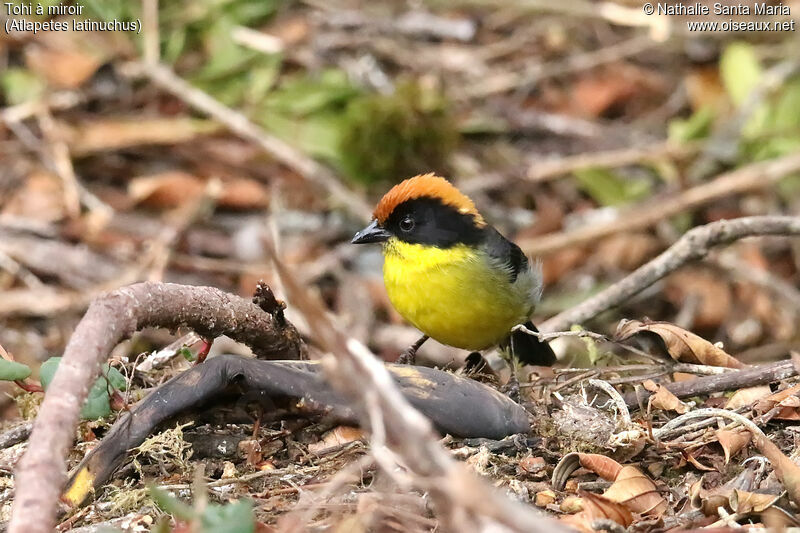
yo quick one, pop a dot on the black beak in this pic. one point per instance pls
(372, 233)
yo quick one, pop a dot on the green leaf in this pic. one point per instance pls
(305, 95)
(186, 353)
(20, 85)
(697, 126)
(740, 70)
(170, 504)
(12, 371)
(97, 403)
(231, 518)
(609, 189)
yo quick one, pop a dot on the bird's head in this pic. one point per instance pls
(426, 210)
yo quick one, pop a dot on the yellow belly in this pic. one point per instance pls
(452, 295)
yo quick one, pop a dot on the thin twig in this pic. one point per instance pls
(616, 398)
(706, 413)
(41, 472)
(238, 123)
(745, 179)
(547, 170)
(693, 245)
(546, 337)
(747, 377)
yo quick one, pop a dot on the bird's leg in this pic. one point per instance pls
(511, 388)
(409, 356)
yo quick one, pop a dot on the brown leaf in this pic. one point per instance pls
(637, 491)
(165, 190)
(663, 399)
(711, 291)
(681, 345)
(697, 464)
(744, 502)
(786, 469)
(732, 441)
(748, 396)
(338, 436)
(598, 507)
(786, 398)
(601, 465)
(544, 498)
(65, 69)
(119, 133)
(243, 193)
(40, 198)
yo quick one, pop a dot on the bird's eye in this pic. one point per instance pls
(407, 224)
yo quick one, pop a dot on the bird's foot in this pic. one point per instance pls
(409, 356)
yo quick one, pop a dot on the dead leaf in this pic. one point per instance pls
(571, 505)
(601, 465)
(598, 507)
(748, 396)
(680, 344)
(663, 399)
(40, 198)
(732, 441)
(625, 251)
(119, 133)
(786, 398)
(243, 193)
(544, 498)
(335, 438)
(165, 190)
(786, 469)
(531, 465)
(64, 69)
(251, 449)
(744, 502)
(637, 491)
(697, 464)
(712, 293)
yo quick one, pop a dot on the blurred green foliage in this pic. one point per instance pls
(396, 136)
(368, 137)
(607, 188)
(19, 85)
(236, 517)
(771, 125)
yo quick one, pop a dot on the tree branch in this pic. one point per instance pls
(747, 377)
(749, 178)
(41, 473)
(695, 244)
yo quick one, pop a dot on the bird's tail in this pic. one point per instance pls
(528, 349)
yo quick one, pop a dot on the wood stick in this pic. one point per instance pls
(747, 377)
(749, 178)
(693, 245)
(41, 472)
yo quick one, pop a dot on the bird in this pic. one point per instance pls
(452, 275)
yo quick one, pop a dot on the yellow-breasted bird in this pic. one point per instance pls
(452, 275)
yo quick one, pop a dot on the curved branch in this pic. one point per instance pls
(111, 318)
(695, 244)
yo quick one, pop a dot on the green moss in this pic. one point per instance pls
(391, 137)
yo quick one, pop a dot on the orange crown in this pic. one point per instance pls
(426, 186)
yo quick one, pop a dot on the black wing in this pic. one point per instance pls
(506, 252)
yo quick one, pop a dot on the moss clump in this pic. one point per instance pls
(398, 135)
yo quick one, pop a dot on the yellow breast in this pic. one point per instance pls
(453, 295)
